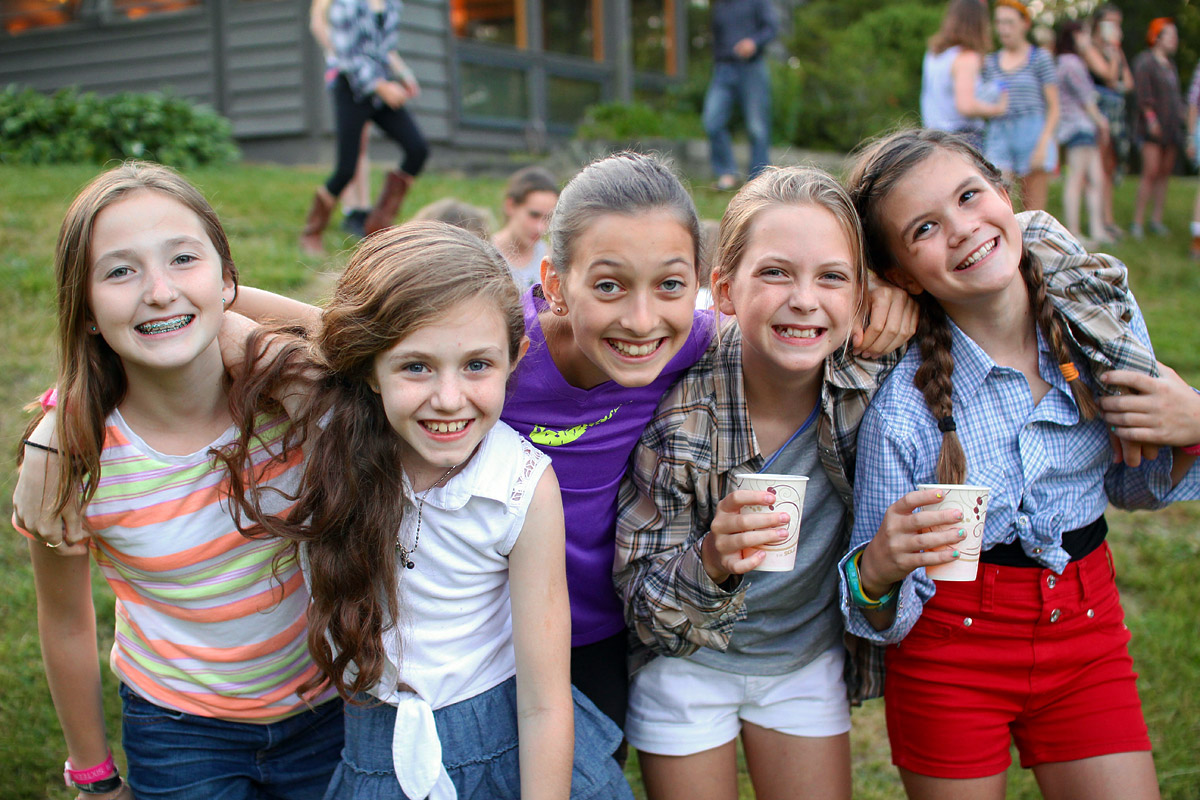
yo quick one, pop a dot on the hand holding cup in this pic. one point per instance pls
(737, 530)
(908, 538)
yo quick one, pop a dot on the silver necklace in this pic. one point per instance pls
(405, 553)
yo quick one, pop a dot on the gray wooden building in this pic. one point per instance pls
(496, 74)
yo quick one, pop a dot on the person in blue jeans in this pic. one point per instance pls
(741, 31)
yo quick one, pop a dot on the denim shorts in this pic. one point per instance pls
(1008, 142)
(1081, 139)
(479, 750)
(178, 756)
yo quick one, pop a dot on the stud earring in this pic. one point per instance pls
(560, 311)
(92, 329)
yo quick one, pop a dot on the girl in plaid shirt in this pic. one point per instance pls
(755, 653)
(1034, 649)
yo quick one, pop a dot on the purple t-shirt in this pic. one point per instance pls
(589, 435)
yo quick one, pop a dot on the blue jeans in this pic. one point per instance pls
(748, 83)
(185, 757)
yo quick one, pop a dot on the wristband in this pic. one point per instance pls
(99, 779)
(857, 596)
(1192, 449)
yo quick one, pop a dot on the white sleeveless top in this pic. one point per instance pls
(937, 94)
(454, 640)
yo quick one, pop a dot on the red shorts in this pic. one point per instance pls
(1017, 654)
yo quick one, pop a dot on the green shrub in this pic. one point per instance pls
(74, 127)
(622, 122)
(850, 78)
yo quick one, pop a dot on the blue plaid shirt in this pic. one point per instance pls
(1049, 471)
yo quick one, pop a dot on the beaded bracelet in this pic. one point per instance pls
(857, 595)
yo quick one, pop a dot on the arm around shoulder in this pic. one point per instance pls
(542, 642)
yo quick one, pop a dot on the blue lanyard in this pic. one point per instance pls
(812, 416)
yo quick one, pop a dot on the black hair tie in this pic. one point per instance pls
(946, 424)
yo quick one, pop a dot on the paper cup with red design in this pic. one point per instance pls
(972, 502)
(789, 498)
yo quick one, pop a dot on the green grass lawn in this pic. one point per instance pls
(262, 208)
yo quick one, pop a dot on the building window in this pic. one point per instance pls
(574, 28)
(490, 21)
(653, 34)
(19, 16)
(567, 98)
(137, 9)
(493, 92)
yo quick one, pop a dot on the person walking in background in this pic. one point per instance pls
(373, 83)
(741, 30)
(1022, 141)
(529, 199)
(952, 91)
(1159, 122)
(357, 194)
(1081, 129)
(1113, 80)
(1193, 152)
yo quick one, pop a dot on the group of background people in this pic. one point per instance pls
(1074, 90)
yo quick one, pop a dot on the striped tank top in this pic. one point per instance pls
(206, 622)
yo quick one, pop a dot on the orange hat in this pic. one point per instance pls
(1017, 6)
(1156, 28)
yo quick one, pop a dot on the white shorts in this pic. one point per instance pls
(678, 707)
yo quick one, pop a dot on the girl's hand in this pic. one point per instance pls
(891, 320)
(391, 93)
(906, 541)
(1157, 411)
(1037, 161)
(732, 533)
(35, 492)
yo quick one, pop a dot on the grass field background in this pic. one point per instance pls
(262, 208)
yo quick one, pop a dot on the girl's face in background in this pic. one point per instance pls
(530, 218)
(629, 295)
(950, 232)
(442, 387)
(1011, 27)
(156, 283)
(795, 290)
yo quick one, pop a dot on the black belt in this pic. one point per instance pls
(1078, 543)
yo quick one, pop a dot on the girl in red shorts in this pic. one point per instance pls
(1034, 649)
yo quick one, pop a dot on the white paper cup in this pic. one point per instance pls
(972, 501)
(789, 498)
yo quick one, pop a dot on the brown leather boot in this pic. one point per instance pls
(314, 224)
(395, 186)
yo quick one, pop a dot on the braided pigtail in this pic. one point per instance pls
(1051, 325)
(934, 378)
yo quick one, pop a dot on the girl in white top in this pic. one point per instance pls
(416, 508)
(950, 74)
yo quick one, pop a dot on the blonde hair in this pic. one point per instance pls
(788, 186)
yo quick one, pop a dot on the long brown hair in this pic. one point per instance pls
(966, 24)
(876, 171)
(91, 379)
(349, 505)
